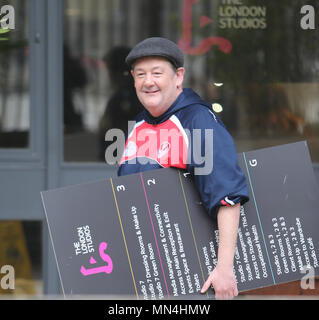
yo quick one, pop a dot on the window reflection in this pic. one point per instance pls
(74, 79)
(20, 258)
(14, 79)
(123, 105)
(267, 64)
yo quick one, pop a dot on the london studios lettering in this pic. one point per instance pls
(85, 246)
(234, 14)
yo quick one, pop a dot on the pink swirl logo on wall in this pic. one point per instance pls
(185, 43)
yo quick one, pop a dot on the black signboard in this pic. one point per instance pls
(148, 236)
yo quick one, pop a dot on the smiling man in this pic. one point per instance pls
(157, 84)
(180, 128)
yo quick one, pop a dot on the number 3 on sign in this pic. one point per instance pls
(120, 188)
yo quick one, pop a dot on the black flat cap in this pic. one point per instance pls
(156, 46)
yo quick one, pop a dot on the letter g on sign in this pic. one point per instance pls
(253, 163)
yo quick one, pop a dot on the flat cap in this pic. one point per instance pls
(156, 46)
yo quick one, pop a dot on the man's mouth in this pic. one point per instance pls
(151, 91)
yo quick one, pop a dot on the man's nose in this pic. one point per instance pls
(148, 80)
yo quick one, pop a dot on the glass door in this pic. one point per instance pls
(22, 163)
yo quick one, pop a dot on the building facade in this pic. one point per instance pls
(63, 82)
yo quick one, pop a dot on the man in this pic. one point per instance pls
(157, 68)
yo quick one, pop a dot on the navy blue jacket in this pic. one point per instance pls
(214, 165)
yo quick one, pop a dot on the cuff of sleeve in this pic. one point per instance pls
(228, 201)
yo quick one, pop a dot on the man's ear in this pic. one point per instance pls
(180, 76)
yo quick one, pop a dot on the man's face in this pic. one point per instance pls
(157, 84)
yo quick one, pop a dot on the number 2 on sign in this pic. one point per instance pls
(151, 181)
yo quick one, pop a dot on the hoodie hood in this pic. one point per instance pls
(187, 98)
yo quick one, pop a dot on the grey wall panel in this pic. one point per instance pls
(76, 174)
(20, 194)
(316, 170)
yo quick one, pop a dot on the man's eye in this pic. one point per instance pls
(157, 73)
(140, 74)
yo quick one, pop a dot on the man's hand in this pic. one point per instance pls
(223, 280)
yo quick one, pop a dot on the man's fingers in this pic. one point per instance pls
(206, 286)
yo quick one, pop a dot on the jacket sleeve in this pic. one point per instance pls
(213, 161)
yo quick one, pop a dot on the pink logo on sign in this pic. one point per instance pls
(185, 43)
(108, 268)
